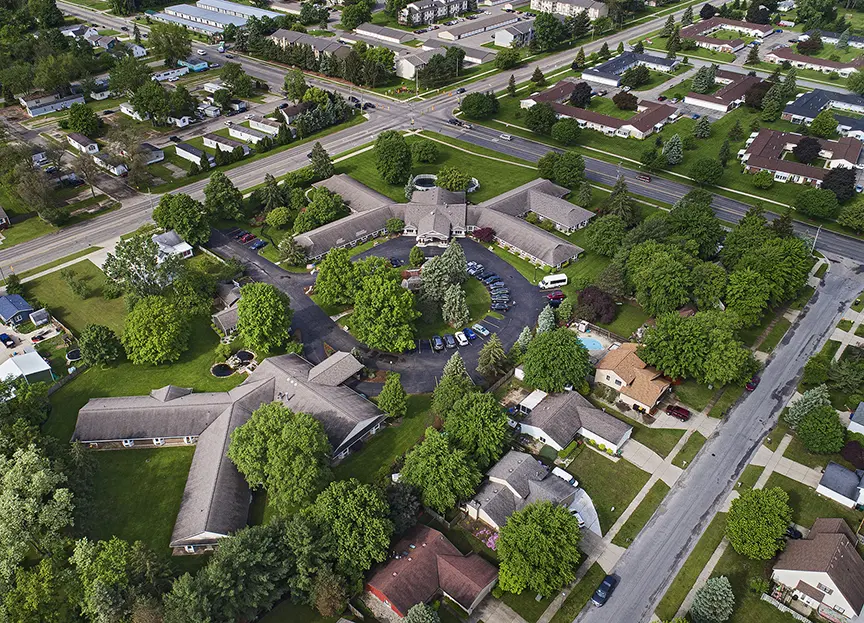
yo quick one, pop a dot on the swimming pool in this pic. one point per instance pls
(590, 343)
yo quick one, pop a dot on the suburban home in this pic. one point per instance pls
(180, 122)
(14, 309)
(193, 154)
(557, 419)
(428, 11)
(215, 141)
(35, 106)
(40, 317)
(639, 386)
(263, 124)
(515, 36)
(129, 110)
(769, 149)
(212, 87)
(82, 143)
(29, 366)
(137, 51)
(826, 66)
(209, 110)
(194, 63)
(100, 91)
(571, 8)
(320, 45)
(152, 154)
(408, 66)
(475, 27)
(833, 38)
(228, 295)
(111, 163)
(422, 565)
(290, 113)
(842, 485)
(610, 72)
(729, 96)
(246, 134)
(216, 499)
(700, 33)
(806, 106)
(168, 74)
(474, 56)
(518, 480)
(170, 243)
(383, 33)
(105, 42)
(80, 31)
(856, 422)
(824, 570)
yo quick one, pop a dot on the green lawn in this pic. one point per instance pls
(830, 51)
(845, 325)
(775, 335)
(526, 604)
(659, 77)
(634, 524)
(726, 400)
(658, 43)
(690, 449)
(804, 74)
(693, 394)
(692, 567)
(748, 606)
(127, 379)
(605, 106)
(595, 473)
(807, 505)
(495, 177)
(137, 494)
(796, 451)
(630, 317)
(580, 595)
(478, 299)
(51, 291)
(389, 444)
(803, 298)
(749, 477)
(750, 335)
(661, 440)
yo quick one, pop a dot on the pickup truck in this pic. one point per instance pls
(7, 340)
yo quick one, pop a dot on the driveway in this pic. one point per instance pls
(419, 369)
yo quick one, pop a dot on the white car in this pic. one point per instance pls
(506, 137)
(202, 52)
(479, 328)
(461, 339)
(249, 116)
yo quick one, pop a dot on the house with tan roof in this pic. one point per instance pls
(824, 571)
(422, 566)
(639, 386)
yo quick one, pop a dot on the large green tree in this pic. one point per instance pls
(384, 314)
(478, 425)
(747, 295)
(99, 345)
(757, 521)
(287, 453)
(221, 198)
(393, 400)
(392, 157)
(134, 265)
(444, 475)
(82, 119)
(605, 235)
(186, 216)
(692, 218)
(263, 317)
(336, 282)
(784, 263)
(821, 431)
(555, 359)
(492, 361)
(750, 232)
(156, 331)
(538, 549)
(170, 41)
(810, 400)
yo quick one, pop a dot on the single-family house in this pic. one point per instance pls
(194, 63)
(35, 106)
(84, 144)
(193, 154)
(263, 124)
(210, 111)
(785, 6)
(14, 309)
(246, 134)
(515, 36)
(424, 565)
(29, 366)
(100, 91)
(427, 11)
(407, 66)
(290, 113)
(105, 42)
(129, 110)
(842, 485)
(824, 570)
(856, 421)
(238, 105)
(212, 87)
(170, 244)
(80, 31)
(216, 499)
(639, 385)
(111, 163)
(571, 8)
(151, 153)
(138, 51)
(181, 122)
(215, 141)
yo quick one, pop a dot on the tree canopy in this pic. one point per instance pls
(757, 521)
(263, 317)
(156, 331)
(555, 359)
(478, 425)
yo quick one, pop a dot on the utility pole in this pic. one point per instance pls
(815, 238)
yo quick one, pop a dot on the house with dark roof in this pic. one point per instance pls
(639, 385)
(221, 143)
(610, 72)
(729, 96)
(424, 565)
(856, 421)
(824, 570)
(216, 498)
(842, 485)
(826, 66)
(84, 144)
(14, 309)
(319, 45)
(806, 106)
(855, 41)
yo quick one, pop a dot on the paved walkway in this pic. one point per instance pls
(495, 611)
(847, 338)
(703, 577)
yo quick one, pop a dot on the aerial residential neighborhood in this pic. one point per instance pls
(435, 311)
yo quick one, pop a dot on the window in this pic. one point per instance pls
(190, 549)
(188, 440)
(617, 382)
(608, 378)
(839, 609)
(825, 589)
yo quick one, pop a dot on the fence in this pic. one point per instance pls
(502, 381)
(796, 615)
(604, 332)
(66, 379)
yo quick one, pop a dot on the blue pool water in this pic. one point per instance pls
(590, 343)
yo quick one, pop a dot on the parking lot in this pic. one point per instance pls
(246, 238)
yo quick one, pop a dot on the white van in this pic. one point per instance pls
(550, 282)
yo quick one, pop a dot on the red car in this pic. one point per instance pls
(248, 238)
(678, 412)
(752, 384)
(557, 295)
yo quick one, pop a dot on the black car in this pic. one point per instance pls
(499, 307)
(368, 105)
(793, 533)
(395, 262)
(460, 90)
(493, 283)
(453, 121)
(437, 343)
(283, 105)
(491, 278)
(353, 100)
(604, 591)
(239, 234)
(174, 139)
(450, 341)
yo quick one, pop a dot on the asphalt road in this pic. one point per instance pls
(653, 559)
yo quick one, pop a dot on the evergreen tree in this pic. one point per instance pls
(604, 52)
(714, 602)
(843, 41)
(752, 56)
(524, 339)
(735, 132)
(511, 86)
(455, 367)
(703, 127)
(673, 44)
(620, 49)
(620, 203)
(639, 48)
(579, 61)
(492, 361)
(585, 194)
(455, 309)
(673, 150)
(546, 320)
(393, 400)
(538, 78)
(789, 85)
(322, 165)
(704, 79)
(782, 227)
(771, 109)
(725, 153)
(668, 27)
(687, 16)
(809, 401)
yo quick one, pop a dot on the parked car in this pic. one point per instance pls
(678, 412)
(479, 328)
(248, 238)
(8, 342)
(40, 336)
(240, 233)
(469, 334)
(792, 532)
(124, 28)
(395, 262)
(557, 295)
(437, 343)
(695, 115)
(461, 339)
(752, 384)
(201, 52)
(662, 98)
(258, 244)
(604, 591)
(174, 139)
(352, 99)
(449, 341)
(500, 307)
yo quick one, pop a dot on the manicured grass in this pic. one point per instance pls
(727, 399)
(748, 606)
(580, 595)
(691, 569)
(57, 262)
(858, 305)
(749, 477)
(829, 50)
(693, 394)
(661, 440)
(803, 298)
(389, 444)
(844, 325)
(525, 268)
(605, 106)
(860, 330)
(138, 494)
(630, 317)
(595, 472)
(658, 77)
(478, 300)
(495, 177)
(807, 505)
(690, 449)
(775, 335)
(772, 441)
(804, 74)
(75, 313)
(658, 43)
(750, 335)
(634, 524)
(526, 604)
(796, 451)
(127, 379)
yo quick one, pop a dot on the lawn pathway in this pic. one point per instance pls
(703, 577)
